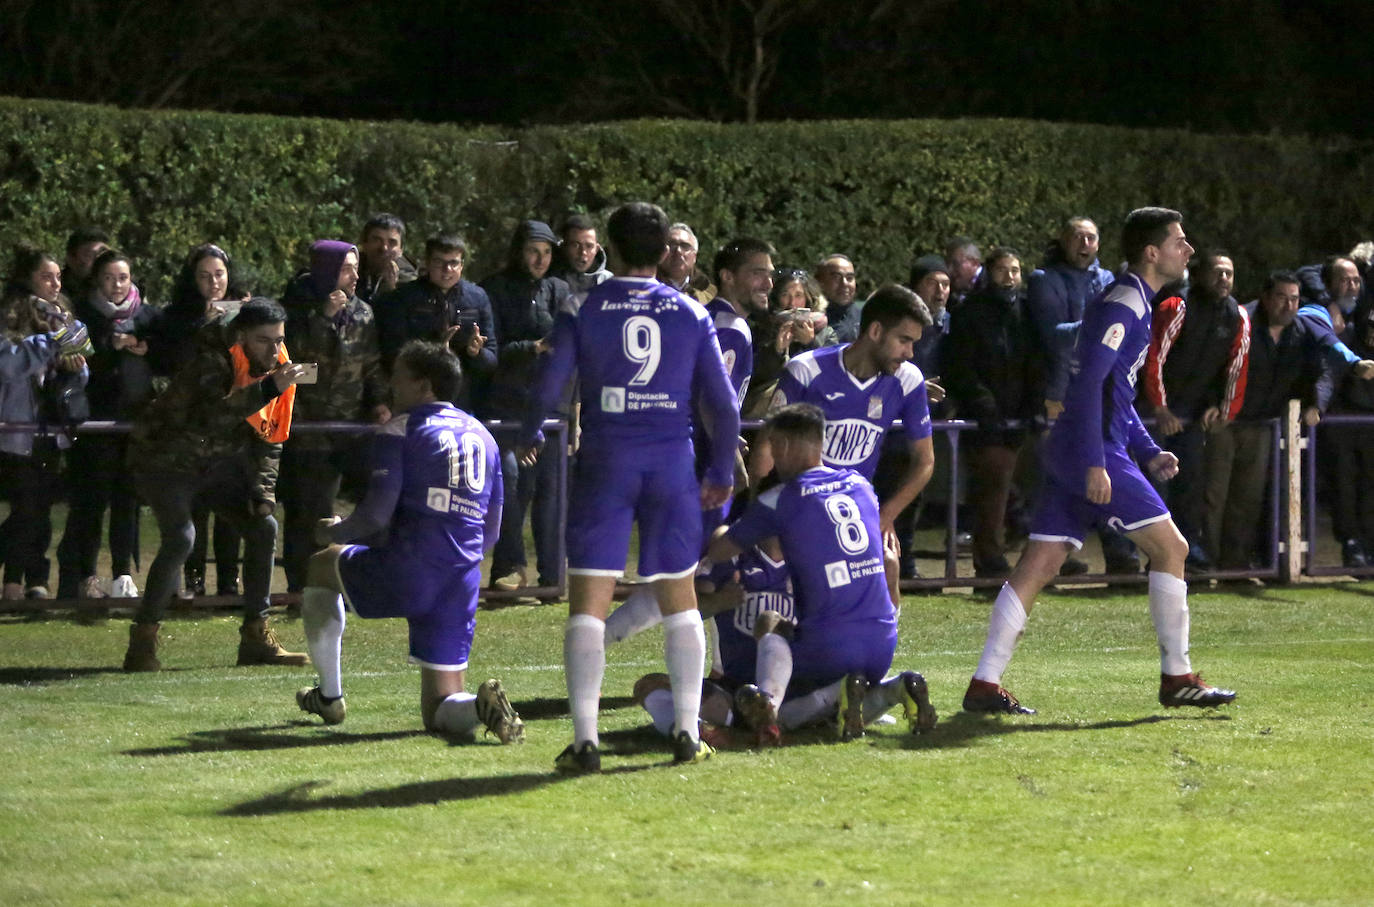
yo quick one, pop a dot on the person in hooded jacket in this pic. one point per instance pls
(580, 261)
(524, 300)
(328, 325)
(121, 384)
(1352, 452)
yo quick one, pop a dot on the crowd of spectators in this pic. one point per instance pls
(80, 342)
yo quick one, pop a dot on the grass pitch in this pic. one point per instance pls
(204, 784)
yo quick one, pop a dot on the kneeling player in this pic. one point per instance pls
(843, 580)
(435, 493)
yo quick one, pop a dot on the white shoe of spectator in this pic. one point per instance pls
(123, 587)
(92, 587)
(37, 592)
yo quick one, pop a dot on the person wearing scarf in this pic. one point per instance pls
(217, 432)
(121, 384)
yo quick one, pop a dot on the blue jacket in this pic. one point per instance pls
(21, 364)
(1055, 296)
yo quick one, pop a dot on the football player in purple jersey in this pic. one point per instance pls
(435, 497)
(862, 388)
(646, 357)
(844, 587)
(1093, 459)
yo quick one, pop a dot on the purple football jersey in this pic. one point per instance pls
(642, 353)
(857, 413)
(827, 522)
(767, 587)
(736, 343)
(441, 468)
(1099, 406)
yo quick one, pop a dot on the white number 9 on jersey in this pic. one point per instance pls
(849, 525)
(643, 345)
(467, 462)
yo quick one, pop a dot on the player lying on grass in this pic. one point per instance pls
(435, 498)
(843, 578)
(1092, 475)
(761, 602)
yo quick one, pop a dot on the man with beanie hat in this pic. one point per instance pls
(327, 324)
(524, 300)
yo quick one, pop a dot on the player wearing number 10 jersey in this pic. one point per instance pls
(434, 499)
(645, 356)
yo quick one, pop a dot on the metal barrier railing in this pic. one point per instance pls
(1287, 527)
(555, 432)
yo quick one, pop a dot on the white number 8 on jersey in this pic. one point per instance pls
(849, 526)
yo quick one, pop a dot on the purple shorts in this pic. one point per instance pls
(825, 653)
(611, 491)
(1063, 513)
(440, 604)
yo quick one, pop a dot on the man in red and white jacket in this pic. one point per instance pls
(1195, 373)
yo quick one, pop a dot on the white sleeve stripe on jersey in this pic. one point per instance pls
(1129, 296)
(770, 497)
(397, 425)
(804, 368)
(910, 376)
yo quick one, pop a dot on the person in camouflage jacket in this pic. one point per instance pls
(216, 431)
(329, 325)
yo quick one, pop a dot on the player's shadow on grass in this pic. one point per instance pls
(266, 737)
(963, 728)
(549, 707)
(300, 798)
(38, 676)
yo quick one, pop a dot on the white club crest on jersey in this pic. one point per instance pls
(613, 399)
(875, 407)
(1115, 334)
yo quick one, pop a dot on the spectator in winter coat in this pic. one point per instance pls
(328, 325)
(524, 299)
(43, 352)
(679, 269)
(580, 261)
(383, 266)
(995, 377)
(121, 384)
(1195, 372)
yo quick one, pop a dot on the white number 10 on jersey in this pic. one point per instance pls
(467, 462)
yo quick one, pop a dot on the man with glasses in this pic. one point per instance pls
(442, 306)
(679, 269)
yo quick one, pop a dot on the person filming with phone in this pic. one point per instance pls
(217, 431)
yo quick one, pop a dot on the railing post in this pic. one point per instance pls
(1290, 564)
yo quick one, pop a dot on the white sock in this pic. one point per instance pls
(773, 667)
(636, 614)
(684, 649)
(584, 663)
(713, 645)
(1169, 611)
(457, 714)
(1005, 625)
(659, 705)
(322, 617)
(818, 705)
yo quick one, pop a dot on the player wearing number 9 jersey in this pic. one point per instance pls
(646, 356)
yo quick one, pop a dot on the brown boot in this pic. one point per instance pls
(258, 645)
(142, 654)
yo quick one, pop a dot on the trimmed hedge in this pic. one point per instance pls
(883, 192)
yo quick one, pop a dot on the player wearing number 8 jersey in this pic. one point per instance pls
(645, 357)
(435, 499)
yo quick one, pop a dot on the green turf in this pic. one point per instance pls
(203, 784)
